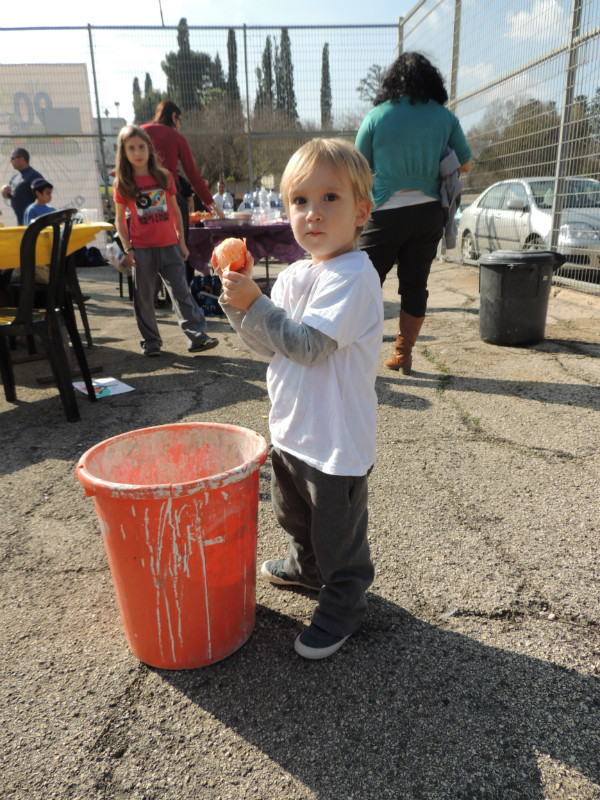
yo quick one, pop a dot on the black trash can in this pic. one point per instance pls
(514, 288)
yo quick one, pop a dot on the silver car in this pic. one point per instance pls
(517, 214)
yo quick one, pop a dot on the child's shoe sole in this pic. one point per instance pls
(275, 573)
(315, 643)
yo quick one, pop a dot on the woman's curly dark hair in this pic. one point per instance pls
(412, 75)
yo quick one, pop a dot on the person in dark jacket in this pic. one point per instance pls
(18, 192)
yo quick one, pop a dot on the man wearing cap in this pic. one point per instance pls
(42, 191)
(18, 191)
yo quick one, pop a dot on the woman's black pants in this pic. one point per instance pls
(407, 236)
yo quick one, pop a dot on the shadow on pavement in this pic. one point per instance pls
(406, 710)
(582, 396)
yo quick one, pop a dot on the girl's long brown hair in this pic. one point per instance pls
(124, 171)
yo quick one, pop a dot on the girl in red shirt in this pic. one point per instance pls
(153, 241)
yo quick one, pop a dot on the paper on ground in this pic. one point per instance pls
(104, 387)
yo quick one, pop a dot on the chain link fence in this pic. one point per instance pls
(524, 80)
(250, 96)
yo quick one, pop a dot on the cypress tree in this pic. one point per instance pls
(264, 93)
(191, 76)
(284, 79)
(232, 82)
(326, 118)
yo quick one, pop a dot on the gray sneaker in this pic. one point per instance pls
(274, 572)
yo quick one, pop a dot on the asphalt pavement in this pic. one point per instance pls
(476, 675)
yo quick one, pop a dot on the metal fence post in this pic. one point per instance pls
(100, 136)
(248, 122)
(562, 156)
(455, 53)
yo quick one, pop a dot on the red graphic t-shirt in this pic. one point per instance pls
(152, 222)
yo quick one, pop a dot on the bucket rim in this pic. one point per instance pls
(95, 485)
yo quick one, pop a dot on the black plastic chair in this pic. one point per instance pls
(74, 288)
(25, 320)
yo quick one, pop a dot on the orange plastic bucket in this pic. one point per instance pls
(178, 508)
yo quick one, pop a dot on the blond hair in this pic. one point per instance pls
(340, 154)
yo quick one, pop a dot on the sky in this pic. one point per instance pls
(206, 12)
(120, 58)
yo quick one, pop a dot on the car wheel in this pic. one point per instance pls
(467, 247)
(535, 242)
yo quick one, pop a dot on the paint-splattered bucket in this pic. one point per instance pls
(178, 507)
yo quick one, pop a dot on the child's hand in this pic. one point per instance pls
(184, 250)
(239, 290)
(129, 259)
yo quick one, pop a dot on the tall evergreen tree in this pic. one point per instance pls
(191, 76)
(232, 82)
(265, 98)
(326, 118)
(218, 76)
(284, 79)
(137, 98)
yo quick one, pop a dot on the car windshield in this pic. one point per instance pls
(578, 193)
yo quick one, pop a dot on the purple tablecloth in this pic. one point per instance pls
(264, 241)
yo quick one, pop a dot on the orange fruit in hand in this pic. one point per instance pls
(230, 254)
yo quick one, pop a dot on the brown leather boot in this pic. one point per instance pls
(405, 341)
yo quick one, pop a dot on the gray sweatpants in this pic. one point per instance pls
(168, 263)
(325, 519)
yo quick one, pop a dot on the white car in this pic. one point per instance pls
(516, 214)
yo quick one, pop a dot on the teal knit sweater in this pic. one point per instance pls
(404, 144)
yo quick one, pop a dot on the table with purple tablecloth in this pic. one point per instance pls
(264, 241)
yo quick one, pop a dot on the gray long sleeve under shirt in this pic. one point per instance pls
(267, 329)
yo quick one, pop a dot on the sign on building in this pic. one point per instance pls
(46, 108)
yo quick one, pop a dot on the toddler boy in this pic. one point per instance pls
(322, 329)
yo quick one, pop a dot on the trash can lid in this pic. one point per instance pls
(523, 258)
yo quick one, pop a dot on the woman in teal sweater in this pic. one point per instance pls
(404, 138)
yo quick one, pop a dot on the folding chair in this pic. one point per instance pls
(25, 320)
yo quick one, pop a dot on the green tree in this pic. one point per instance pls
(144, 105)
(191, 76)
(284, 81)
(514, 139)
(594, 116)
(265, 97)
(326, 118)
(371, 83)
(274, 109)
(233, 88)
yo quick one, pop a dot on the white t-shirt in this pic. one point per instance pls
(325, 414)
(219, 199)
